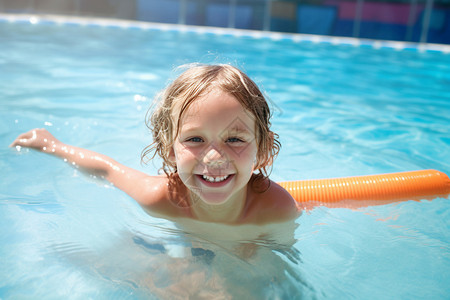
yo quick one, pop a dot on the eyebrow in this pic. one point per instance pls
(240, 129)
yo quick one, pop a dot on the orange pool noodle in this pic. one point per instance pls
(377, 189)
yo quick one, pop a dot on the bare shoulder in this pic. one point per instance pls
(272, 206)
(151, 190)
(159, 197)
(278, 198)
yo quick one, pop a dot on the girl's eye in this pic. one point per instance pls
(195, 140)
(235, 140)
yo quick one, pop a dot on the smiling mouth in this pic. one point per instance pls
(215, 180)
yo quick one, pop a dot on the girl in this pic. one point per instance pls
(211, 128)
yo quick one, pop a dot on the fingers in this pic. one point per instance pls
(22, 139)
(25, 139)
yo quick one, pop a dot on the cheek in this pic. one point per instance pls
(246, 156)
(183, 156)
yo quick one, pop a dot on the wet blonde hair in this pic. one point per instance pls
(196, 81)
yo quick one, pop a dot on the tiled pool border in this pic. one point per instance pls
(296, 37)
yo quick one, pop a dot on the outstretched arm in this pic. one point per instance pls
(135, 183)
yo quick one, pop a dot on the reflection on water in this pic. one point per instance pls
(186, 266)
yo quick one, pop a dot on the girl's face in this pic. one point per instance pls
(216, 149)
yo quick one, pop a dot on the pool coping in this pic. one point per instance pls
(257, 34)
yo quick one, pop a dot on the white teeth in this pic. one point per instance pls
(215, 179)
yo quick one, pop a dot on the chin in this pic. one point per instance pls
(213, 198)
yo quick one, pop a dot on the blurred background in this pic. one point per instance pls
(426, 21)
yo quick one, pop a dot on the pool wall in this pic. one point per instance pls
(257, 34)
(411, 21)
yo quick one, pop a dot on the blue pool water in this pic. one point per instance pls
(340, 110)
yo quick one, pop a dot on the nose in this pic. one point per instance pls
(214, 157)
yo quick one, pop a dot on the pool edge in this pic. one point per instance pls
(273, 35)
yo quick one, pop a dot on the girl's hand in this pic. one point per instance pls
(39, 139)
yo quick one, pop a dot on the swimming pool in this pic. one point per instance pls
(340, 109)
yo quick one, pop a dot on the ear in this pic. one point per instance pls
(257, 164)
(265, 158)
(171, 156)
